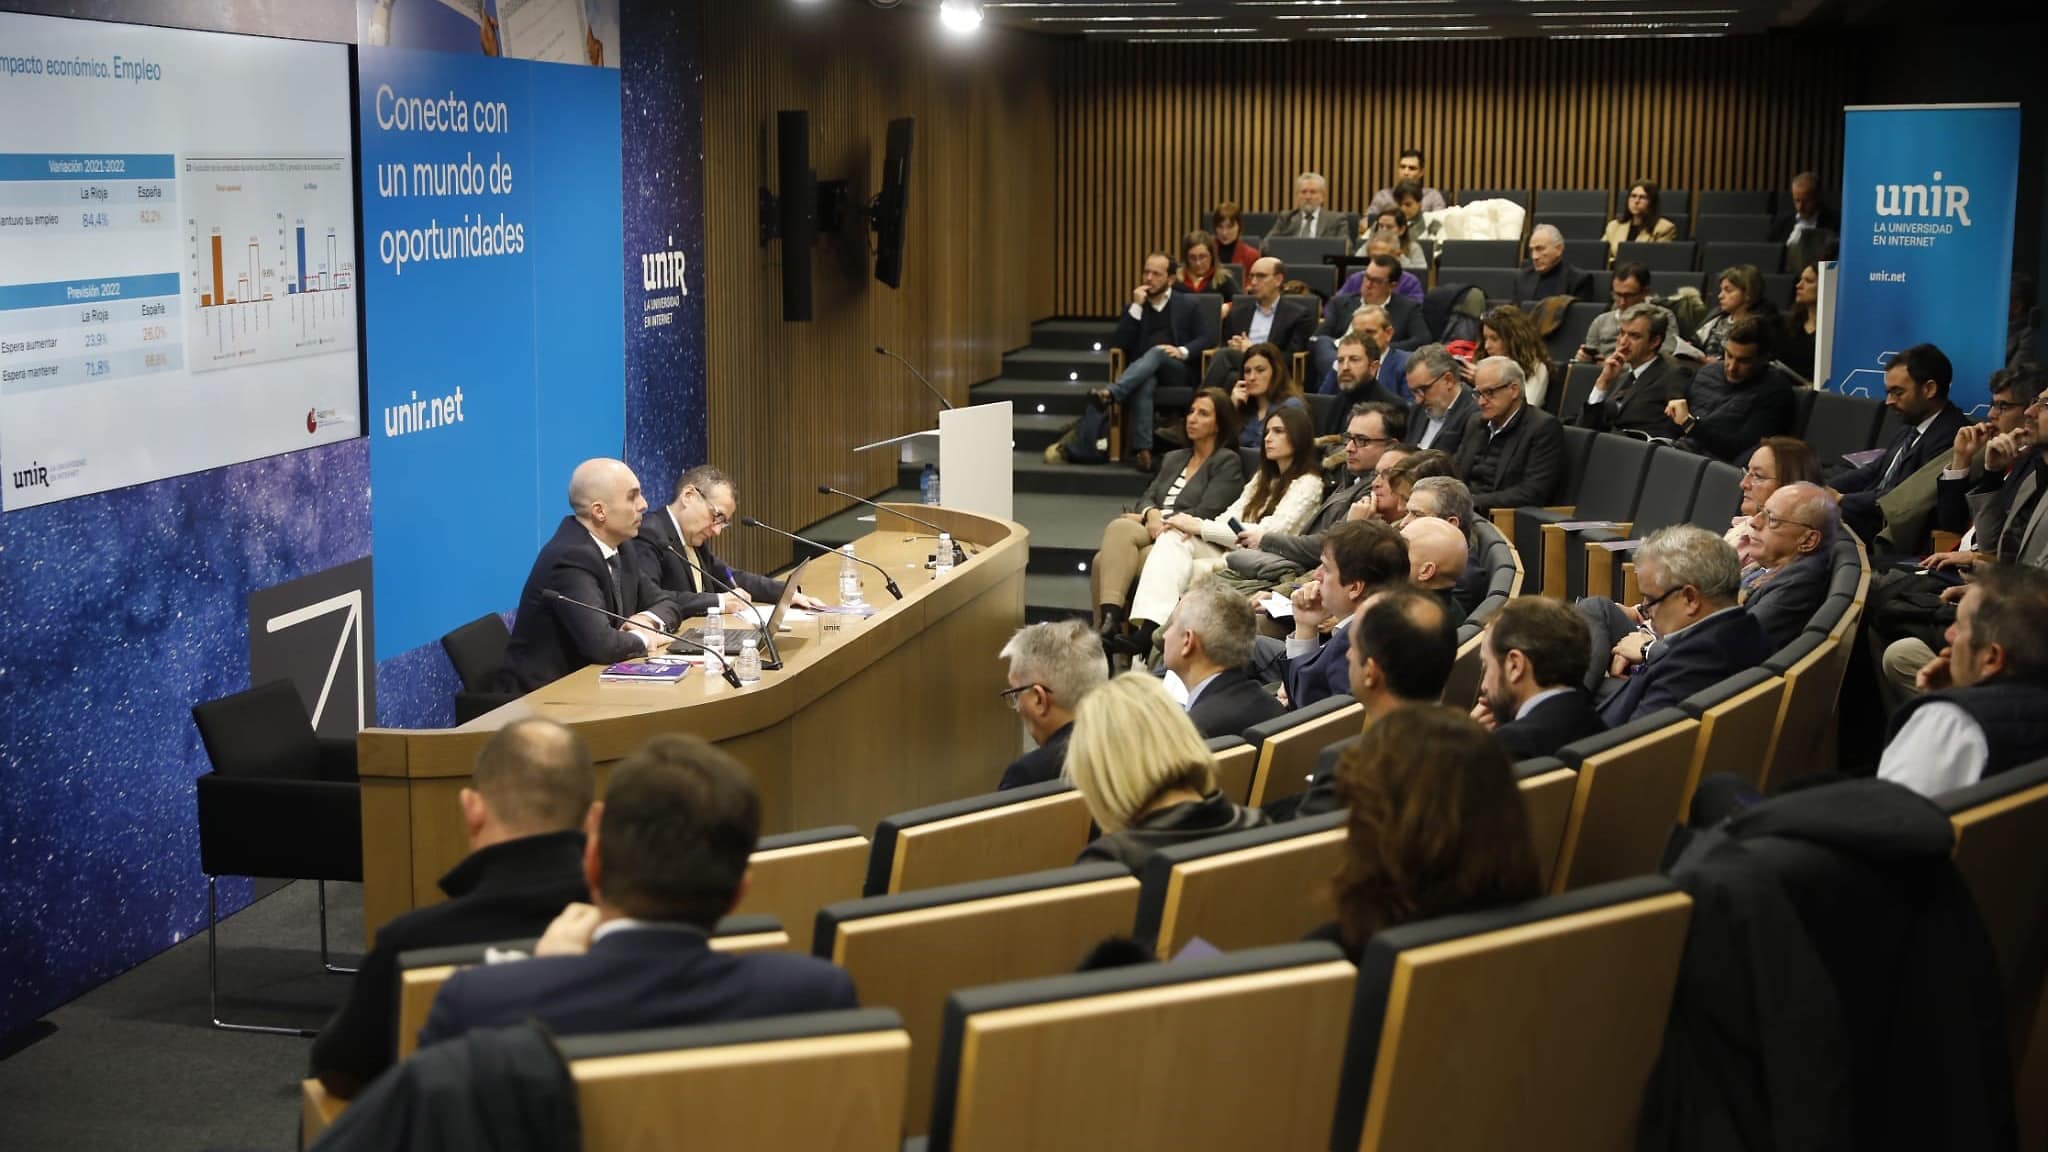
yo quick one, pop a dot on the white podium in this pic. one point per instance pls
(972, 448)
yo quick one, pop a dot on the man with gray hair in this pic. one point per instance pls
(524, 812)
(676, 543)
(1311, 215)
(1207, 643)
(1447, 499)
(1052, 666)
(1443, 405)
(1795, 533)
(1516, 459)
(1636, 384)
(1545, 273)
(1692, 633)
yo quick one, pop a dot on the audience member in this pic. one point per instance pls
(532, 784)
(1396, 225)
(1437, 555)
(1376, 285)
(1264, 387)
(1690, 581)
(1161, 333)
(1311, 215)
(1359, 558)
(1408, 284)
(677, 545)
(1799, 331)
(586, 561)
(1988, 463)
(1777, 460)
(1226, 223)
(1508, 331)
(1985, 704)
(1629, 286)
(1740, 297)
(1916, 387)
(1809, 213)
(1546, 274)
(1369, 434)
(1636, 385)
(1641, 219)
(1367, 370)
(1408, 169)
(1200, 480)
(1208, 645)
(666, 858)
(1052, 668)
(1148, 779)
(1515, 458)
(1735, 402)
(1199, 269)
(1395, 483)
(1437, 826)
(1443, 405)
(1447, 499)
(1794, 531)
(1532, 667)
(1281, 498)
(1268, 317)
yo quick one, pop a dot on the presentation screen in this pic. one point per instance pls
(178, 284)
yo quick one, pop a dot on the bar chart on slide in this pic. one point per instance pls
(270, 258)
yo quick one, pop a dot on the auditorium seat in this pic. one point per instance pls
(995, 834)
(2001, 823)
(1474, 195)
(1733, 202)
(1838, 425)
(908, 951)
(1607, 490)
(1779, 287)
(1676, 204)
(477, 651)
(1547, 787)
(1578, 226)
(1320, 278)
(1288, 744)
(1236, 763)
(1812, 666)
(1533, 1027)
(1586, 254)
(1593, 201)
(1326, 412)
(422, 971)
(1579, 379)
(1477, 254)
(1630, 779)
(1669, 488)
(1247, 889)
(1668, 256)
(1722, 254)
(1719, 499)
(792, 875)
(1603, 283)
(1503, 572)
(1461, 687)
(1735, 718)
(1220, 1054)
(1564, 343)
(1578, 446)
(1745, 229)
(1299, 252)
(1497, 283)
(1256, 225)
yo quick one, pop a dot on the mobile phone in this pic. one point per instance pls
(1235, 526)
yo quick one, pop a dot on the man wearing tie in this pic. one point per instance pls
(675, 545)
(583, 562)
(1311, 217)
(1636, 384)
(1916, 387)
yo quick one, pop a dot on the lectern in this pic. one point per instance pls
(972, 447)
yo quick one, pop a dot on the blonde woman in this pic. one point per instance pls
(1143, 770)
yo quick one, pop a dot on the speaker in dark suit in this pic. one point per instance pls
(688, 525)
(552, 638)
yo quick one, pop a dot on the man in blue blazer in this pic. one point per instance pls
(1160, 333)
(586, 561)
(1360, 557)
(667, 856)
(1916, 387)
(1690, 580)
(1795, 534)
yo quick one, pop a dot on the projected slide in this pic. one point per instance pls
(178, 287)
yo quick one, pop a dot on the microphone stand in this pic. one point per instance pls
(724, 665)
(774, 663)
(959, 554)
(881, 351)
(888, 581)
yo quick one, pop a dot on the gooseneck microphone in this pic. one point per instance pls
(959, 555)
(724, 666)
(881, 351)
(774, 661)
(888, 581)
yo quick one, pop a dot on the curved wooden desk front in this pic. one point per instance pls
(896, 711)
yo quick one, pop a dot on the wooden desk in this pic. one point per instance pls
(896, 711)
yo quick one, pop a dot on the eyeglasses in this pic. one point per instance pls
(1772, 520)
(1357, 441)
(2008, 406)
(1756, 477)
(2040, 401)
(1489, 393)
(1010, 695)
(718, 517)
(1649, 602)
(1379, 281)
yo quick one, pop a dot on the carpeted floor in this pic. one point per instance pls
(134, 1064)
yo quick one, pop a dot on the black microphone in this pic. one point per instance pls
(959, 556)
(888, 581)
(724, 665)
(881, 351)
(774, 661)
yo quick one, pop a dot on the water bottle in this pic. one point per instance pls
(849, 578)
(749, 663)
(714, 630)
(944, 561)
(928, 483)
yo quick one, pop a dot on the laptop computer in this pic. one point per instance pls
(734, 637)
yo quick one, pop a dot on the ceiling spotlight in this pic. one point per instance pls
(960, 17)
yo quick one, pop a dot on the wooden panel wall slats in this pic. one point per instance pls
(786, 402)
(1151, 135)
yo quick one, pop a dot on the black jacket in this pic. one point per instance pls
(552, 639)
(1866, 482)
(658, 534)
(504, 892)
(1709, 651)
(497, 1090)
(1212, 815)
(1294, 322)
(1550, 725)
(1637, 405)
(1464, 412)
(1520, 467)
(1561, 280)
(1731, 418)
(1208, 492)
(1838, 989)
(1183, 322)
(1231, 703)
(1411, 328)
(1786, 600)
(1040, 765)
(1826, 217)
(1306, 550)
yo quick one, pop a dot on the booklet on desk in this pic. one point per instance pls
(653, 670)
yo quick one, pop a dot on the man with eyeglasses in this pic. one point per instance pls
(1636, 383)
(1987, 462)
(1516, 457)
(1693, 633)
(675, 543)
(1629, 287)
(1369, 433)
(1794, 533)
(1367, 371)
(1376, 285)
(1051, 667)
(1267, 317)
(1443, 405)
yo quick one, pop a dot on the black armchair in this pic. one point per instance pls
(281, 801)
(477, 650)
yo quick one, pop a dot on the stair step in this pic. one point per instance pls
(1081, 335)
(1031, 432)
(1030, 473)
(1055, 598)
(1079, 365)
(1035, 397)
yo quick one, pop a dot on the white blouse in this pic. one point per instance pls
(1296, 507)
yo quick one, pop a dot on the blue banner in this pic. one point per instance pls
(1928, 196)
(491, 247)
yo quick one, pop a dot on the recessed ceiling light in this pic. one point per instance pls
(960, 17)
